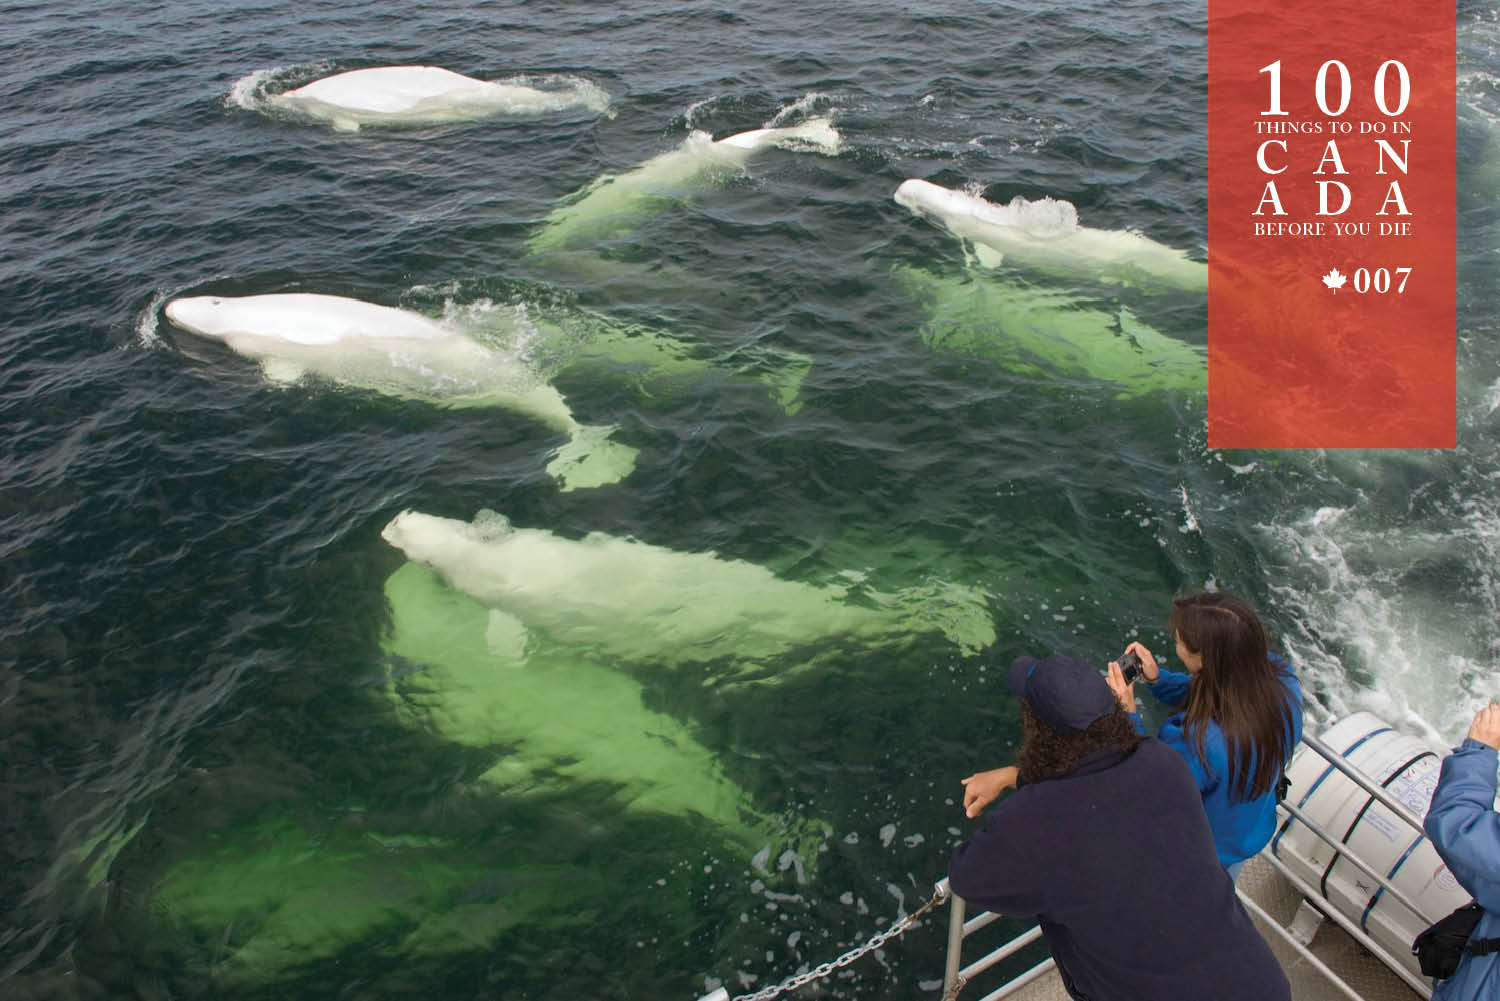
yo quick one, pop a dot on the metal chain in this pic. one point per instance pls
(880, 938)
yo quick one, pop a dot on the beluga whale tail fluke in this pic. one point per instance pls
(614, 205)
(402, 354)
(1044, 235)
(420, 95)
(591, 459)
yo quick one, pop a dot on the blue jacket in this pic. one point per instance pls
(1241, 827)
(1115, 861)
(1465, 830)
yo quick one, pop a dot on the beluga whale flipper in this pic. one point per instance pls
(1044, 235)
(419, 95)
(614, 205)
(403, 354)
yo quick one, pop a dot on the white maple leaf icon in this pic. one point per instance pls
(1334, 280)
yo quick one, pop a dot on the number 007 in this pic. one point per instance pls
(1379, 280)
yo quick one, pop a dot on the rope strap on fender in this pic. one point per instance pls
(817, 973)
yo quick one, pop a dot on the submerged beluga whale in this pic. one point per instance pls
(1045, 235)
(613, 205)
(288, 887)
(566, 720)
(1051, 333)
(631, 601)
(417, 95)
(402, 354)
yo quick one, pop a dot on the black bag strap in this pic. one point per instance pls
(1482, 946)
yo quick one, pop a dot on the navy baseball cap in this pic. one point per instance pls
(1066, 693)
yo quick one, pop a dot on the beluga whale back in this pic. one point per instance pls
(613, 205)
(400, 353)
(1045, 235)
(418, 95)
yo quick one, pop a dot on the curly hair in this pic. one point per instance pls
(1046, 753)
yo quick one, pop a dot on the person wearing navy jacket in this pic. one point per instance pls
(1465, 830)
(1105, 843)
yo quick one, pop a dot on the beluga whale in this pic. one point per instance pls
(403, 354)
(565, 720)
(1044, 235)
(419, 95)
(615, 204)
(627, 601)
(1050, 333)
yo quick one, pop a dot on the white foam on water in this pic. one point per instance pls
(248, 92)
(808, 105)
(690, 116)
(1045, 218)
(148, 327)
(1189, 517)
(253, 91)
(570, 90)
(1366, 636)
(501, 326)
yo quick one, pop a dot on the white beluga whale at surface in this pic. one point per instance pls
(416, 95)
(613, 205)
(626, 600)
(1044, 235)
(400, 353)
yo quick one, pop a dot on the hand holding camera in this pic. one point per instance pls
(1135, 664)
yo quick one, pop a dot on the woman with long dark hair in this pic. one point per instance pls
(1239, 715)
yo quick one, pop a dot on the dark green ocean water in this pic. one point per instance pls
(208, 789)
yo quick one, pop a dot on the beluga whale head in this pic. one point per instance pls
(402, 354)
(302, 318)
(204, 315)
(430, 540)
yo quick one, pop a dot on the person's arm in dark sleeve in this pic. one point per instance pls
(993, 869)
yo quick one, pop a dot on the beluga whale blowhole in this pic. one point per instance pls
(420, 95)
(402, 354)
(1045, 235)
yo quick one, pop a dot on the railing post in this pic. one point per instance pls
(955, 943)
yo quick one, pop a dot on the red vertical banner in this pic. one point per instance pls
(1332, 225)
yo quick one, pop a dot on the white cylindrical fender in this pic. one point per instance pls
(1407, 768)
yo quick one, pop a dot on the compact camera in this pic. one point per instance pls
(1130, 665)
